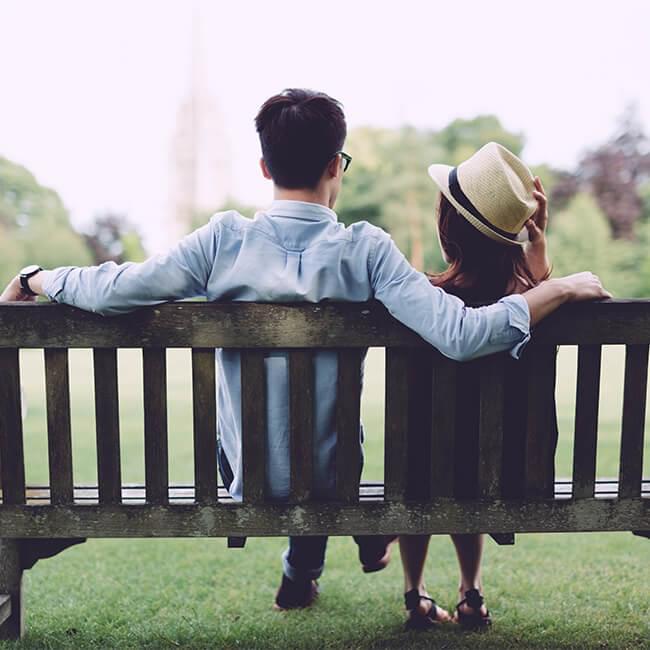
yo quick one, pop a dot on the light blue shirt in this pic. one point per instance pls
(293, 252)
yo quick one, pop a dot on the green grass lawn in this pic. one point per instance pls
(552, 591)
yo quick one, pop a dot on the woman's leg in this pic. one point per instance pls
(469, 549)
(413, 550)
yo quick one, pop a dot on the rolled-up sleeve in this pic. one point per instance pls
(459, 332)
(111, 289)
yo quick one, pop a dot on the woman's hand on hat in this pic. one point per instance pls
(536, 225)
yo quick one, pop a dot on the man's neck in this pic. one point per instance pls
(320, 196)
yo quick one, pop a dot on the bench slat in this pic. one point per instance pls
(57, 388)
(540, 421)
(396, 424)
(348, 418)
(491, 405)
(107, 421)
(204, 408)
(633, 424)
(156, 461)
(586, 421)
(443, 403)
(253, 405)
(11, 429)
(302, 405)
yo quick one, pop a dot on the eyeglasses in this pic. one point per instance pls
(346, 159)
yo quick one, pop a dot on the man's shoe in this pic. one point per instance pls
(378, 558)
(295, 595)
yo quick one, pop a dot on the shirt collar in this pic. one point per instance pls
(301, 210)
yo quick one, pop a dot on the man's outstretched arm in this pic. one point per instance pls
(461, 332)
(110, 288)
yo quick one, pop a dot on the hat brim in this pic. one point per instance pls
(440, 176)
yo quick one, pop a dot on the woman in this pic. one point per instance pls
(492, 219)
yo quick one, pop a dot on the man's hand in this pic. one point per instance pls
(14, 293)
(583, 286)
(546, 297)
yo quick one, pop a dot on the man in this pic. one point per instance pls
(298, 251)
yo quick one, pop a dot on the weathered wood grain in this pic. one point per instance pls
(59, 437)
(396, 424)
(11, 577)
(348, 419)
(107, 423)
(11, 429)
(540, 421)
(324, 325)
(440, 516)
(156, 460)
(491, 404)
(253, 414)
(204, 408)
(5, 609)
(586, 421)
(633, 423)
(443, 404)
(301, 418)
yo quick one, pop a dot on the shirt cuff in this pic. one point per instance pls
(52, 283)
(519, 319)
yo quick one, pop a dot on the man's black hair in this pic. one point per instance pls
(300, 131)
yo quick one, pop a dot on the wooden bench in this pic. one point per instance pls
(157, 509)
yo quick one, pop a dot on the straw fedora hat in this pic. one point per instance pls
(493, 190)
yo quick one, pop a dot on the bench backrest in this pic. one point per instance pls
(349, 328)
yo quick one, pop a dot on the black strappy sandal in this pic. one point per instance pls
(417, 621)
(475, 620)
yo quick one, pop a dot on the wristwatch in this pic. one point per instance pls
(25, 274)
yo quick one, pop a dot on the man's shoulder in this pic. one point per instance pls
(231, 219)
(365, 229)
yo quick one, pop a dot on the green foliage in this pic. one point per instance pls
(34, 224)
(580, 239)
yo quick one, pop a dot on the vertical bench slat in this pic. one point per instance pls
(396, 424)
(156, 461)
(491, 404)
(540, 430)
(348, 418)
(634, 408)
(57, 388)
(204, 406)
(107, 425)
(253, 405)
(586, 421)
(443, 404)
(301, 404)
(11, 429)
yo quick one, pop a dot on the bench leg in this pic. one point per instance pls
(236, 542)
(642, 533)
(503, 539)
(11, 577)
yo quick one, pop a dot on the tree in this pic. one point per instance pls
(614, 173)
(34, 224)
(112, 238)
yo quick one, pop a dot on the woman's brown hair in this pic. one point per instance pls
(480, 269)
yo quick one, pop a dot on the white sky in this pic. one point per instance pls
(89, 89)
